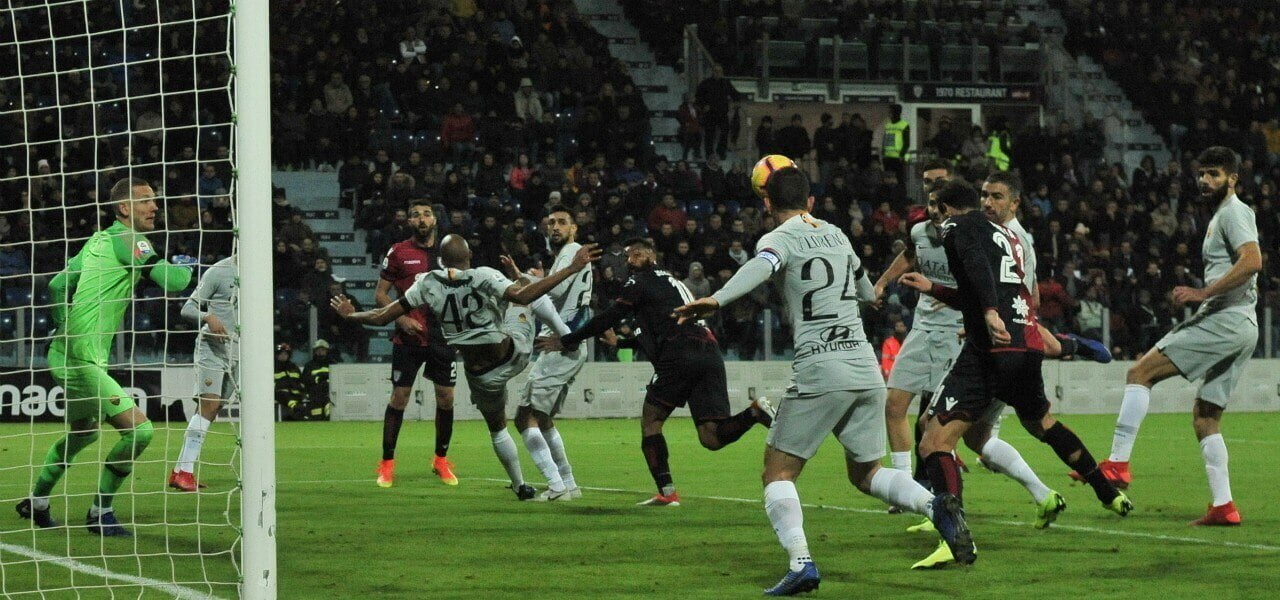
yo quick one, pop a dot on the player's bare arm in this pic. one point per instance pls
(698, 309)
(378, 316)
(905, 261)
(1248, 264)
(382, 297)
(524, 294)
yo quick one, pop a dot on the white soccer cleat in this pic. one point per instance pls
(575, 493)
(766, 409)
(549, 495)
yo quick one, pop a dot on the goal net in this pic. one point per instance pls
(93, 93)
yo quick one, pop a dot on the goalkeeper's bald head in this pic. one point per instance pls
(455, 253)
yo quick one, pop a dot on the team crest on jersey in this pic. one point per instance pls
(143, 248)
(208, 382)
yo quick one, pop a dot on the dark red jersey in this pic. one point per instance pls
(987, 262)
(401, 266)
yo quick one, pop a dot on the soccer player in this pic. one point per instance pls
(995, 364)
(687, 366)
(837, 386)
(1212, 345)
(417, 344)
(90, 298)
(213, 307)
(553, 372)
(475, 309)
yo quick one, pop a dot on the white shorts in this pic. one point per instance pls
(856, 417)
(215, 367)
(924, 360)
(549, 381)
(489, 389)
(1212, 347)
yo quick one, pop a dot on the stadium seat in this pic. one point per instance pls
(733, 207)
(890, 66)
(8, 325)
(698, 209)
(17, 296)
(1019, 63)
(787, 56)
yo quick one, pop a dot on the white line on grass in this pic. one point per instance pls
(172, 589)
(1081, 528)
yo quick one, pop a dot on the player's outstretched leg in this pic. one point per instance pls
(654, 446)
(782, 504)
(101, 519)
(999, 456)
(1067, 445)
(56, 461)
(1207, 418)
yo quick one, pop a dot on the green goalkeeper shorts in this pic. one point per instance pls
(91, 393)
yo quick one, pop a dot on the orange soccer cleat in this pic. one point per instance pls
(1225, 514)
(1115, 472)
(185, 481)
(386, 472)
(442, 467)
(672, 499)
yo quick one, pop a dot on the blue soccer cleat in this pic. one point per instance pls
(1091, 349)
(106, 525)
(524, 492)
(948, 517)
(41, 518)
(796, 582)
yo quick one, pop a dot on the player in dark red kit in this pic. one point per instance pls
(999, 364)
(687, 364)
(417, 343)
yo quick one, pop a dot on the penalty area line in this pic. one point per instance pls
(173, 589)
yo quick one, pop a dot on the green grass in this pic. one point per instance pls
(340, 536)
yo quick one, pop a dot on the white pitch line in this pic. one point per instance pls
(173, 589)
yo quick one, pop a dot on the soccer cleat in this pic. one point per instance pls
(796, 582)
(442, 467)
(1225, 514)
(766, 412)
(948, 517)
(1115, 472)
(41, 518)
(524, 491)
(386, 472)
(940, 557)
(185, 481)
(105, 525)
(1091, 349)
(925, 526)
(549, 495)
(1049, 510)
(575, 492)
(896, 510)
(1121, 505)
(672, 499)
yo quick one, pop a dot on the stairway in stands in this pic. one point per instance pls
(316, 195)
(661, 87)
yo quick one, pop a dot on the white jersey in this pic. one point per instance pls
(1028, 257)
(931, 261)
(572, 297)
(822, 280)
(218, 292)
(1233, 225)
(468, 303)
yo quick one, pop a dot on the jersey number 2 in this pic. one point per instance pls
(1008, 264)
(806, 274)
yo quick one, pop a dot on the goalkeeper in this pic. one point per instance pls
(90, 298)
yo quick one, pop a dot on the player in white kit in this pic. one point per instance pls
(836, 383)
(1213, 345)
(214, 305)
(486, 317)
(553, 372)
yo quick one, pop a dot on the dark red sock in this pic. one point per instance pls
(944, 473)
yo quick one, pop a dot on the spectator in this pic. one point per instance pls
(458, 132)
(290, 391)
(697, 282)
(316, 376)
(793, 140)
(528, 106)
(296, 230)
(714, 96)
(337, 95)
(891, 347)
(669, 211)
(766, 137)
(690, 129)
(317, 281)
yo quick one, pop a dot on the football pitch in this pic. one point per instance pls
(341, 536)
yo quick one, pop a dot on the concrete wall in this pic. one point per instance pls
(360, 391)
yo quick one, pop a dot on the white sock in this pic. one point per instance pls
(782, 504)
(901, 460)
(1214, 451)
(537, 446)
(897, 488)
(96, 511)
(1134, 408)
(40, 503)
(1003, 458)
(556, 444)
(192, 441)
(505, 448)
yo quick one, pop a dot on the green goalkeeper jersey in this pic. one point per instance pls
(90, 296)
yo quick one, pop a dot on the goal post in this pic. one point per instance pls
(252, 122)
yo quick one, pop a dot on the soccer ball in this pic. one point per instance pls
(763, 169)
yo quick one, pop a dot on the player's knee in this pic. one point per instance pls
(86, 436)
(708, 438)
(142, 435)
(399, 400)
(1034, 427)
(444, 399)
(1139, 374)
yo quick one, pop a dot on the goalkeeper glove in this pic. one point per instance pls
(184, 260)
